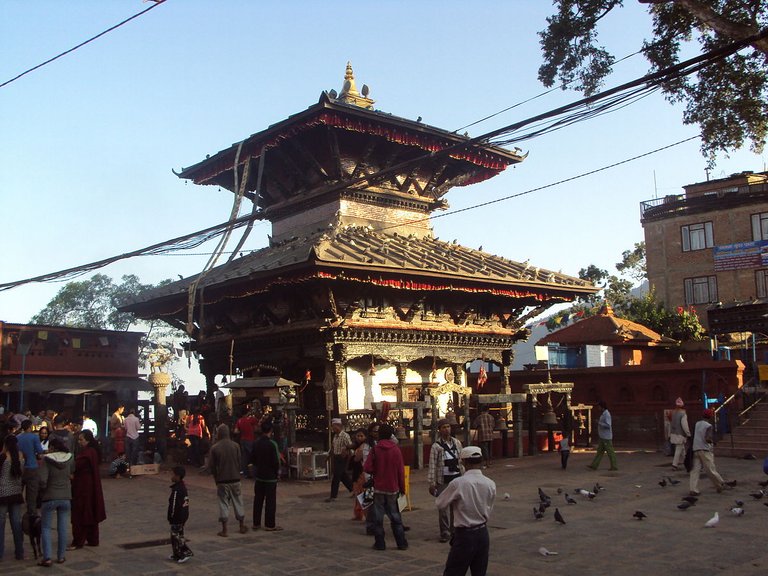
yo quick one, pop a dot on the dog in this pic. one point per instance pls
(32, 526)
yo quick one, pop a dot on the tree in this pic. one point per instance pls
(633, 262)
(726, 99)
(94, 304)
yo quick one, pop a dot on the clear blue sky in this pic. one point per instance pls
(88, 142)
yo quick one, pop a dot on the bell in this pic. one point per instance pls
(501, 423)
(400, 433)
(451, 417)
(549, 418)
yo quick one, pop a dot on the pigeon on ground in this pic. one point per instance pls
(764, 484)
(663, 483)
(538, 514)
(542, 507)
(639, 515)
(597, 488)
(737, 511)
(542, 496)
(569, 500)
(545, 504)
(739, 503)
(712, 522)
(559, 517)
(586, 493)
(757, 495)
(544, 552)
(691, 499)
(684, 505)
(507, 496)
(672, 481)
(559, 490)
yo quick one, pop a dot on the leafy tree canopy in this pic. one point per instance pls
(726, 99)
(93, 303)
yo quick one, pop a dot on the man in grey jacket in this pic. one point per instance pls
(225, 468)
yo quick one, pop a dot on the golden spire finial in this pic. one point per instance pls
(349, 93)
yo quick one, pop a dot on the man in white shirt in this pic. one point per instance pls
(471, 497)
(132, 429)
(90, 424)
(703, 457)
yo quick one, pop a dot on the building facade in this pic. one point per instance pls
(710, 244)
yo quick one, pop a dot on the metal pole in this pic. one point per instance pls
(21, 393)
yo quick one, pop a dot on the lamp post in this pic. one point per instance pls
(22, 348)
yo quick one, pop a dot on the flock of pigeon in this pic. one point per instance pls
(545, 502)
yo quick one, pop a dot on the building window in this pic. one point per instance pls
(760, 226)
(697, 236)
(701, 290)
(761, 282)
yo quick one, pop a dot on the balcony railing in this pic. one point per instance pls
(678, 203)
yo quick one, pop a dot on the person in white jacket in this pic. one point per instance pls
(679, 432)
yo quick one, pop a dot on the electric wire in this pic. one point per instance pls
(155, 4)
(559, 119)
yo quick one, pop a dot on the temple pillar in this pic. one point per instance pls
(402, 371)
(160, 382)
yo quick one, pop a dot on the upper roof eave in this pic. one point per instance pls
(326, 103)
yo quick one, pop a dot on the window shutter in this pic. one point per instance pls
(713, 289)
(688, 291)
(686, 239)
(709, 234)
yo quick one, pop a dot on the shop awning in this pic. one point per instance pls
(76, 386)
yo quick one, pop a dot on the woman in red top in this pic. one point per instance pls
(195, 431)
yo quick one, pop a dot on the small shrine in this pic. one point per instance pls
(355, 298)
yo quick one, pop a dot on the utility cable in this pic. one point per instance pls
(653, 80)
(155, 4)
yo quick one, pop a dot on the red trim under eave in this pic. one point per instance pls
(475, 155)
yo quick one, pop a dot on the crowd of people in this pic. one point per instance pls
(51, 466)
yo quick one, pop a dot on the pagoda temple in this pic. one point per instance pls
(354, 296)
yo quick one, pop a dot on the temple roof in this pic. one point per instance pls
(606, 329)
(360, 254)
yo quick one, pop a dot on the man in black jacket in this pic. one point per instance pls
(178, 514)
(266, 464)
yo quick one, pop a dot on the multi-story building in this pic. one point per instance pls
(709, 245)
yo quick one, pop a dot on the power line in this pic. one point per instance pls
(614, 96)
(155, 4)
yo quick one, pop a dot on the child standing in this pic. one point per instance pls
(565, 443)
(178, 514)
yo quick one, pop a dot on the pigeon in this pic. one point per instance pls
(538, 514)
(712, 522)
(545, 504)
(543, 497)
(639, 515)
(559, 490)
(542, 507)
(586, 493)
(544, 552)
(569, 500)
(597, 488)
(672, 481)
(739, 503)
(506, 496)
(691, 499)
(757, 495)
(559, 517)
(684, 505)
(764, 484)
(663, 483)
(737, 511)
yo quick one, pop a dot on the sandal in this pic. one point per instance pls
(45, 563)
(61, 561)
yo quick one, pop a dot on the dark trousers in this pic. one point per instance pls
(469, 549)
(31, 481)
(564, 458)
(132, 450)
(386, 504)
(340, 475)
(179, 542)
(264, 496)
